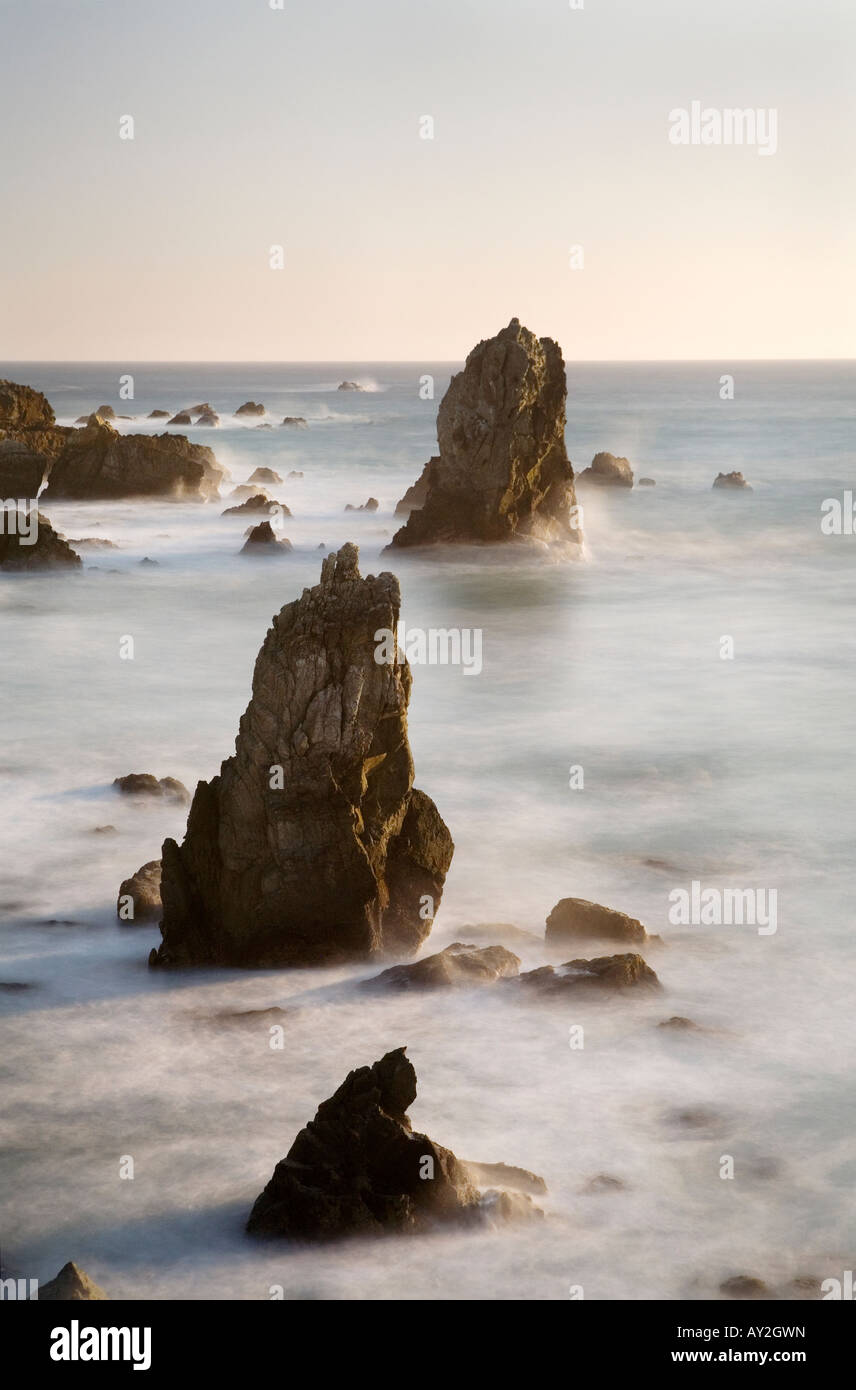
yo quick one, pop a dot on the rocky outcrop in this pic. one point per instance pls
(139, 897)
(146, 784)
(71, 1285)
(209, 418)
(733, 481)
(22, 470)
(606, 470)
(295, 421)
(98, 462)
(647, 482)
(502, 472)
(250, 408)
(576, 919)
(263, 540)
(23, 408)
(106, 412)
(257, 502)
(605, 973)
(349, 386)
(28, 541)
(265, 475)
(359, 1168)
(457, 965)
(416, 494)
(312, 844)
(158, 415)
(27, 419)
(370, 506)
(182, 418)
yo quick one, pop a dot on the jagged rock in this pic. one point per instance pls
(106, 412)
(23, 408)
(263, 540)
(47, 549)
(646, 482)
(158, 414)
(607, 973)
(734, 481)
(265, 475)
(203, 409)
(143, 888)
(209, 418)
(27, 418)
(459, 964)
(608, 471)
(576, 919)
(342, 861)
(22, 470)
(349, 386)
(258, 502)
(246, 490)
(502, 472)
(370, 506)
(358, 1167)
(250, 408)
(93, 543)
(71, 1285)
(182, 418)
(98, 462)
(296, 421)
(146, 784)
(415, 496)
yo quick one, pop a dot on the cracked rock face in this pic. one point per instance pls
(503, 472)
(99, 462)
(312, 845)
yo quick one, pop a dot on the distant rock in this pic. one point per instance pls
(258, 502)
(203, 409)
(146, 784)
(106, 412)
(208, 418)
(28, 541)
(294, 474)
(359, 1168)
(416, 495)
(502, 473)
(182, 418)
(143, 888)
(370, 506)
(457, 965)
(158, 414)
(250, 408)
(147, 561)
(104, 830)
(246, 490)
(605, 973)
(263, 540)
(93, 543)
(265, 475)
(349, 386)
(646, 482)
(734, 481)
(71, 1285)
(608, 471)
(296, 422)
(678, 1024)
(576, 919)
(744, 1286)
(312, 845)
(98, 462)
(264, 426)
(22, 470)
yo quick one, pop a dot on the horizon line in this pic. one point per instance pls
(375, 361)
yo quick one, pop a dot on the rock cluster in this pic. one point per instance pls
(98, 462)
(502, 472)
(312, 844)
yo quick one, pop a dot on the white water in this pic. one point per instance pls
(737, 773)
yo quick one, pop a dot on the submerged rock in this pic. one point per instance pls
(296, 421)
(98, 462)
(735, 481)
(457, 965)
(502, 472)
(28, 541)
(606, 470)
(71, 1285)
(359, 1167)
(265, 475)
(576, 919)
(263, 540)
(143, 889)
(744, 1286)
(146, 784)
(608, 973)
(250, 408)
(646, 482)
(312, 844)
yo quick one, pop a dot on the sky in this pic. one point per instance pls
(301, 126)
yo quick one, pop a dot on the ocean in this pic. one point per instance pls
(725, 764)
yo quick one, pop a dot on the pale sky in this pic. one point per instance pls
(300, 127)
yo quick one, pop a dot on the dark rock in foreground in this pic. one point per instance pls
(606, 470)
(312, 844)
(98, 462)
(605, 973)
(502, 472)
(143, 888)
(457, 965)
(734, 481)
(146, 784)
(47, 550)
(359, 1168)
(71, 1285)
(263, 540)
(576, 919)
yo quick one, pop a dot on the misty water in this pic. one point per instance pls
(733, 772)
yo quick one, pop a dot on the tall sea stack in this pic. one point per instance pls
(312, 845)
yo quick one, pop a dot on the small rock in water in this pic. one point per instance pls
(606, 470)
(349, 386)
(250, 408)
(262, 540)
(646, 482)
(297, 422)
(457, 965)
(146, 784)
(744, 1286)
(577, 919)
(265, 475)
(607, 973)
(370, 506)
(733, 481)
(143, 890)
